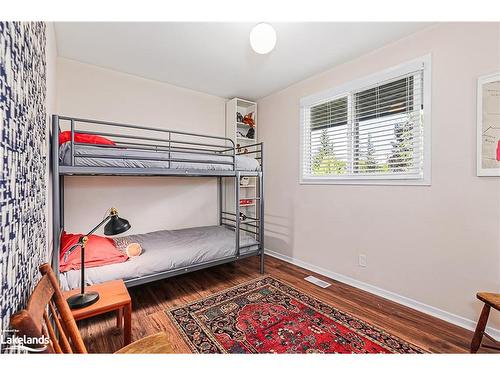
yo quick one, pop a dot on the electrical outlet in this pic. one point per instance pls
(362, 260)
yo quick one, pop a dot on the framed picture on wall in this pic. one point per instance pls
(488, 125)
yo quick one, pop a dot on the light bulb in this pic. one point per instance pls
(263, 38)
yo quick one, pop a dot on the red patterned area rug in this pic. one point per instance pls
(266, 315)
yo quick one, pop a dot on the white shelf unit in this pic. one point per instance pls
(236, 130)
(233, 126)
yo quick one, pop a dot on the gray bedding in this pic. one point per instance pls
(165, 250)
(243, 163)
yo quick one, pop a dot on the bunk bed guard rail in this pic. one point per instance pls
(140, 138)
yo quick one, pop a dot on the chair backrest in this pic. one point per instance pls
(48, 314)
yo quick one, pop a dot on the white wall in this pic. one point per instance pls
(436, 245)
(149, 203)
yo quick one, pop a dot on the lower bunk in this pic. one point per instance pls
(168, 253)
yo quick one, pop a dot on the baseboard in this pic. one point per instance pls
(419, 306)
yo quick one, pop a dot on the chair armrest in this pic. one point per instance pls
(153, 344)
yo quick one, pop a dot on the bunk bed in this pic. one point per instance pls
(135, 150)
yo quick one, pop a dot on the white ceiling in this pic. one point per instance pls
(216, 58)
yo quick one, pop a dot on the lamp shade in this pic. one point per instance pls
(116, 225)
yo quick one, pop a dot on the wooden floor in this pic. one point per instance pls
(151, 300)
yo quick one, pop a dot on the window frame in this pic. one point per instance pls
(346, 89)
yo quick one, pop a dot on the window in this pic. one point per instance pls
(373, 130)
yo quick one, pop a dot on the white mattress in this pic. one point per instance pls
(115, 158)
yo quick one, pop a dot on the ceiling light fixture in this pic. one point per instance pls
(263, 38)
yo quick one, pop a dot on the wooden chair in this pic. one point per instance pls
(47, 313)
(490, 300)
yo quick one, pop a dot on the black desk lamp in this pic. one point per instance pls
(116, 225)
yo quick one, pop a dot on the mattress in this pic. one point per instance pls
(166, 250)
(115, 158)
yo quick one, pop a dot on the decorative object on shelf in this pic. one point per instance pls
(114, 225)
(488, 125)
(239, 117)
(246, 201)
(244, 181)
(251, 133)
(241, 150)
(243, 217)
(248, 119)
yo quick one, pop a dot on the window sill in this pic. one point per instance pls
(386, 182)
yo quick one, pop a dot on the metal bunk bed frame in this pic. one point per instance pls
(164, 140)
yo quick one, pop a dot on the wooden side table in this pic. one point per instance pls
(113, 296)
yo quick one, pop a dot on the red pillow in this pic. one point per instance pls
(99, 251)
(84, 138)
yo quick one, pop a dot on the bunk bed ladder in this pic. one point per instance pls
(237, 212)
(219, 199)
(261, 214)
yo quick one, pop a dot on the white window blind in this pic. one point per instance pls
(369, 132)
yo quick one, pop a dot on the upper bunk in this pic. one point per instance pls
(93, 147)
